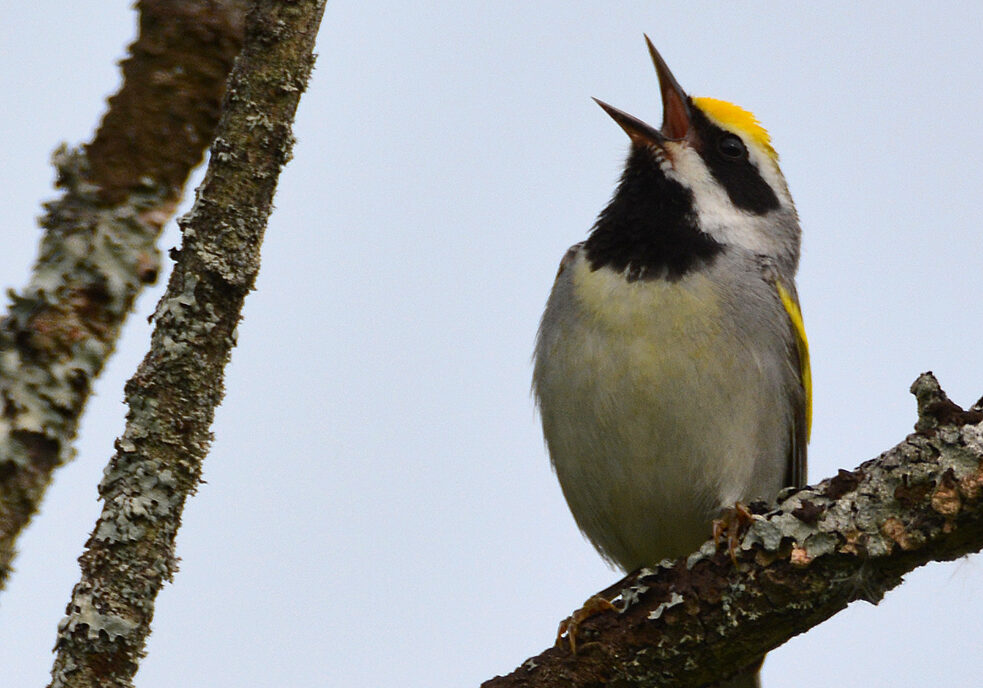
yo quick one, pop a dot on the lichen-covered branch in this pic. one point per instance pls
(173, 395)
(99, 245)
(693, 622)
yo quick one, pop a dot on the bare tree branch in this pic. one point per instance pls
(173, 395)
(851, 537)
(98, 250)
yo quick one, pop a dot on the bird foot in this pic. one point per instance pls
(733, 523)
(571, 625)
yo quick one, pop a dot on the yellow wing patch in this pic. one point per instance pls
(737, 119)
(805, 371)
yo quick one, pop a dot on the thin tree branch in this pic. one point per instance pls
(98, 250)
(173, 395)
(851, 537)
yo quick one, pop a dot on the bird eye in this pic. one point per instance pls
(731, 147)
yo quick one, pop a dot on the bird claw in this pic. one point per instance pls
(571, 625)
(733, 523)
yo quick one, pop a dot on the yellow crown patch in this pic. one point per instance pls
(737, 119)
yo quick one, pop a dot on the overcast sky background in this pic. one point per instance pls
(379, 508)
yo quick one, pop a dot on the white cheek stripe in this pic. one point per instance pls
(718, 216)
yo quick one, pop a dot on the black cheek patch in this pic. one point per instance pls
(648, 230)
(744, 184)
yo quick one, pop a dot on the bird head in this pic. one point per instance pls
(713, 166)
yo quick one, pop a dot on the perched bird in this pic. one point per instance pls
(671, 365)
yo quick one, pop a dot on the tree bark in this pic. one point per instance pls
(852, 537)
(99, 249)
(173, 395)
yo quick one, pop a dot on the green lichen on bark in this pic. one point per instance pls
(99, 244)
(173, 395)
(61, 328)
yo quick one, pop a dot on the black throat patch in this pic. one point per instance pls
(649, 229)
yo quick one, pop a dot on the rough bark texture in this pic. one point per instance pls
(851, 537)
(173, 395)
(98, 249)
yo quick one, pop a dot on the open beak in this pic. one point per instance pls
(675, 109)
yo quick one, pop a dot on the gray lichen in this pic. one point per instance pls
(173, 395)
(98, 246)
(92, 257)
(87, 618)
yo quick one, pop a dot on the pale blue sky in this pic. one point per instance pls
(379, 507)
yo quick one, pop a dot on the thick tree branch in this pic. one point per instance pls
(694, 621)
(98, 250)
(173, 395)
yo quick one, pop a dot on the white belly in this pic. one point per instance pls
(656, 410)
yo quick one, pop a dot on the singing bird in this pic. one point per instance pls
(671, 365)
